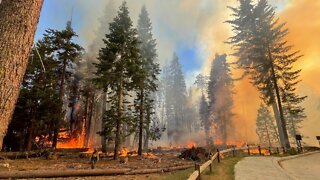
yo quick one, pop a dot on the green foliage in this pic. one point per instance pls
(38, 108)
(266, 129)
(292, 151)
(262, 51)
(220, 90)
(175, 98)
(118, 71)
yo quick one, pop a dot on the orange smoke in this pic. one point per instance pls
(303, 21)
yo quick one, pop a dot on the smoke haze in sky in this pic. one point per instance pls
(195, 29)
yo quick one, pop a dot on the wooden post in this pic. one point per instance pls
(218, 155)
(233, 151)
(248, 150)
(259, 148)
(283, 150)
(198, 169)
(270, 150)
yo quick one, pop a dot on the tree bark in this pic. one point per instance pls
(141, 121)
(61, 95)
(18, 24)
(117, 142)
(268, 135)
(283, 124)
(146, 140)
(104, 108)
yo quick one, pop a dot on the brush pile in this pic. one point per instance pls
(194, 154)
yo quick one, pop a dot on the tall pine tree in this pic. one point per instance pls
(147, 80)
(263, 53)
(220, 92)
(175, 99)
(66, 52)
(119, 63)
(265, 128)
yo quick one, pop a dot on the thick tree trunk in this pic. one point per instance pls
(29, 137)
(90, 129)
(18, 24)
(268, 135)
(285, 143)
(278, 122)
(141, 109)
(117, 142)
(146, 140)
(61, 95)
(104, 108)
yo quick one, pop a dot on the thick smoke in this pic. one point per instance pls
(199, 24)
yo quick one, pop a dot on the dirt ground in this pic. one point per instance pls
(74, 161)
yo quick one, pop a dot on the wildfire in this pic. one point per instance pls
(256, 151)
(124, 151)
(191, 145)
(236, 143)
(75, 142)
(218, 142)
(239, 143)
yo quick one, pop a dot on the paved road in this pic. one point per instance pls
(259, 168)
(265, 168)
(306, 167)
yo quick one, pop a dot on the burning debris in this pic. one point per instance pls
(195, 154)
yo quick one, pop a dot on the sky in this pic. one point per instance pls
(196, 31)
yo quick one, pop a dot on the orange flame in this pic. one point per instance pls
(77, 142)
(124, 152)
(191, 145)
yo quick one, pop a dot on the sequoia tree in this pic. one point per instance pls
(18, 23)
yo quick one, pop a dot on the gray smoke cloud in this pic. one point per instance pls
(199, 25)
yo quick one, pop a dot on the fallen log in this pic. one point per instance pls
(85, 172)
(144, 171)
(158, 170)
(176, 168)
(67, 173)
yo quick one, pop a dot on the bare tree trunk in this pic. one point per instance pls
(117, 142)
(103, 137)
(61, 95)
(278, 122)
(141, 108)
(146, 140)
(29, 137)
(283, 124)
(90, 129)
(268, 135)
(18, 24)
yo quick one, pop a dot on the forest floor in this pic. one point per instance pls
(74, 162)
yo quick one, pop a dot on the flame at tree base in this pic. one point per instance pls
(73, 142)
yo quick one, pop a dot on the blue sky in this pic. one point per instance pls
(55, 16)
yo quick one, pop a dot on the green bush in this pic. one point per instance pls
(292, 151)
